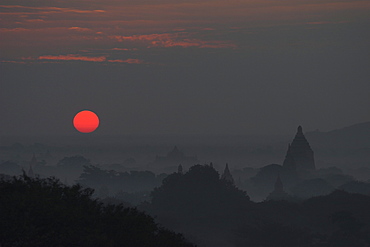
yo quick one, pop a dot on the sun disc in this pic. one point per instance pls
(86, 121)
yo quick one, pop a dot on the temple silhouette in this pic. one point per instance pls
(175, 155)
(179, 169)
(299, 164)
(32, 163)
(278, 193)
(227, 175)
(299, 157)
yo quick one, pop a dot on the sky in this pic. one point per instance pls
(184, 67)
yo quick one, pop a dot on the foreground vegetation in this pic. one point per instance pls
(45, 212)
(209, 211)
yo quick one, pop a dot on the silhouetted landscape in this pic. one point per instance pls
(313, 190)
(209, 123)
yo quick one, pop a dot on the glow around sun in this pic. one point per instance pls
(86, 121)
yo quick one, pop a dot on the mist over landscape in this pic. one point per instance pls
(134, 171)
(184, 123)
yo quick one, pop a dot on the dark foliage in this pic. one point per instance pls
(215, 213)
(73, 162)
(10, 168)
(338, 219)
(357, 187)
(272, 234)
(71, 167)
(348, 232)
(44, 212)
(312, 187)
(133, 181)
(198, 191)
(199, 203)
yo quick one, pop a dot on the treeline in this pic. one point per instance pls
(208, 210)
(133, 181)
(213, 212)
(45, 212)
(260, 182)
(131, 188)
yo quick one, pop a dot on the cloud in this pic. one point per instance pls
(27, 9)
(35, 20)
(17, 29)
(124, 49)
(72, 57)
(174, 40)
(75, 57)
(80, 29)
(326, 22)
(28, 27)
(12, 61)
(129, 60)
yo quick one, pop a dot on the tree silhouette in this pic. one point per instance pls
(199, 190)
(349, 232)
(272, 234)
(71, 167)
(10, 168)
(73, 162)
(44, 212)
(116, 182)
(199, 203)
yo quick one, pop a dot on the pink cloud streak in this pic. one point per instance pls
(71, 57)
(52, 9)
(173, 40)
(129, 60)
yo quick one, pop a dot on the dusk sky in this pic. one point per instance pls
(184, 66)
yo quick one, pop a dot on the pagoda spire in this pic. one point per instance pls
(33, 162)
(289, 163)
(278, 185)
(278, 193)
(227, 175)
(179, 169)
(299, 155)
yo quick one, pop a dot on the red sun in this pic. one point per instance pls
(86, 121)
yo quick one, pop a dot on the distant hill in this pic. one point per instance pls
(356, 136)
